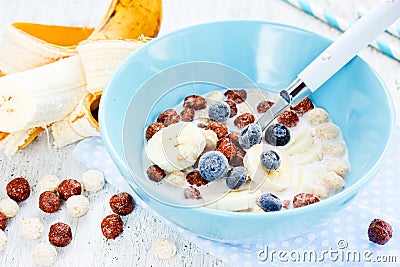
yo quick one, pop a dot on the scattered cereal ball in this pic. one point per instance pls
(122, 203)
(216, 96)
(195, 102)
(3, 240)
(31, 228)
(331, 180)
(288, 118)
(380, 232)
(69, 188)
(191, 193)
(77, 206)
(340, 167)
(163, 249)
(48, 182)
(327, 130)
(9, 207)
(317, 116)
(155, 173)
(112, 226)
(18, 189)
(211, 139)
(49, 202)
(320, 191)
(334, 148)
(60, 234)
(92, 180)
(304, 199)
(3, 221)
(153, 128)
(177, 178)
(44, 254)
(168, 117)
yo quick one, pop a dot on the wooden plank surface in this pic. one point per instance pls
(133, 248)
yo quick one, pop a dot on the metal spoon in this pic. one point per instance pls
(331, 60)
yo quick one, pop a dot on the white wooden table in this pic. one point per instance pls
(133, 248)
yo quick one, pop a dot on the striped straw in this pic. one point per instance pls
(394, 29)
(342, 25)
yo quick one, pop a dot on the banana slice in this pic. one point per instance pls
(27, 45)
(305, 182)
(176, 147)
(11, 143)
(233, 201)
(80, 123)
(314, 153)
(301, 144)
(42, 95)
(277, 180)
(101, 58)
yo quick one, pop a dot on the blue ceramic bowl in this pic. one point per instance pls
(271, 55)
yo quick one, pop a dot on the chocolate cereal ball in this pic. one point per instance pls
(3, 221)
(49, 202)
(112, 226)
(60, 234)
(122, 203)
(18, 189)
(69, 188)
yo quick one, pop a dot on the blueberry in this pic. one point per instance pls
(219, 111)
(250, 136)
(269, 202)
(236, 177)
(213, 165)
(277, 135)
(270, 160)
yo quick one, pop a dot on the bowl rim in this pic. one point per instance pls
(347, 191)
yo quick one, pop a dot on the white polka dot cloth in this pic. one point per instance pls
(342, 241)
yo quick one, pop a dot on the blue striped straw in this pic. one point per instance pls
(342, 25)
(394, 29)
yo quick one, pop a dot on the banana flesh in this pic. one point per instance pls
(11, 143)
(277, 180)
(301, 144)
(233, 201)
(42, 95)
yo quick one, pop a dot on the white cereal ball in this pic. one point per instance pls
(92, 180)
(317, 116)
(331, 180)
(9, 207)
(163, 249)
(334, 148)
(44, 254)
(31, 228)
(211, 139)
(48, 182)
(320, 191)
(177, 178)
(338, 166)
(216, 95)
(77, 206)
(3, 240)
(326, 130)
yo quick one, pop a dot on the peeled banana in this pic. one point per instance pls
(233, 201)
(301, 144)
(49, 53)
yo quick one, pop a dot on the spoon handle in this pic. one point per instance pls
(358, 36)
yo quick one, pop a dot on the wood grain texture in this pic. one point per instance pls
(133, 248)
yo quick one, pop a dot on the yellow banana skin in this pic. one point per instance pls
(129, 19)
